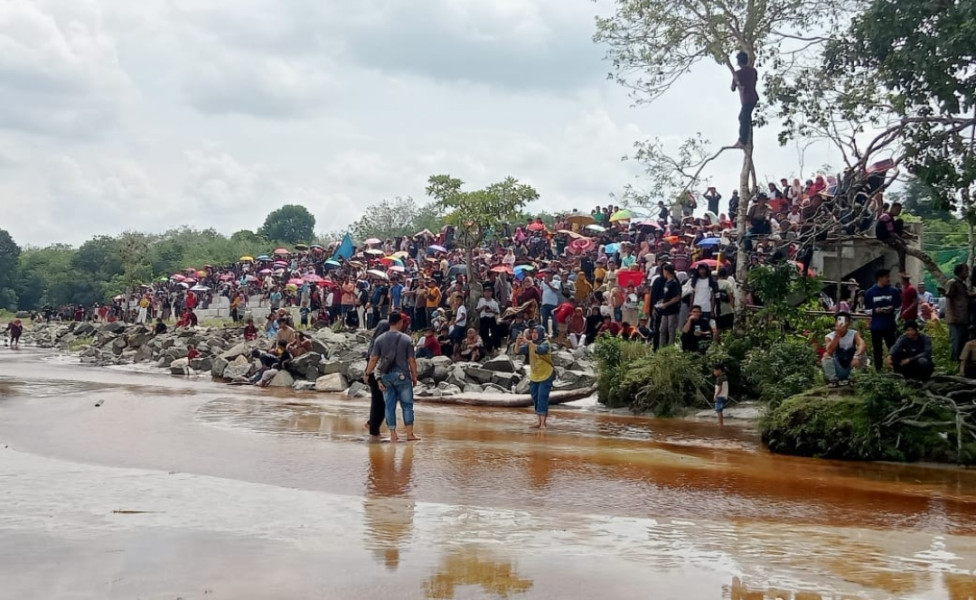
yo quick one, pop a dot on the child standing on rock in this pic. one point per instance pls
(721, 391)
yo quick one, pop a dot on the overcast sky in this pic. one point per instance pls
(150, 114)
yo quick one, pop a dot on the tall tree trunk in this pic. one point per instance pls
(741, 260)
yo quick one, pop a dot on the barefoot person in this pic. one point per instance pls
(393, 357)
(377, 403)
(533, 344)
(744, 80)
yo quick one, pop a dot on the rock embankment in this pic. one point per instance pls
(335, 365)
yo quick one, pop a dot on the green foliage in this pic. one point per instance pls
(396, 217)
(667, 382)
(782, 288)
(291, 224)
(783, 370)
(79, 344)
(614, 357)
(941, 349)
(9, 255)
(474, 213)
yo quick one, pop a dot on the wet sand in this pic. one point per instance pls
(187, 488)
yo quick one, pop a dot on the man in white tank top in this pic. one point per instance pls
(845, 351)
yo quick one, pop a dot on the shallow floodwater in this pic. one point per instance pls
(184, 488)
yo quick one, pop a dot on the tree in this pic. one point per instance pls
(9, 255)
(388, 218)
(475, 213)
(919, 200)
(96, 263)
(653, 43)
(291, 224)
(896, 83)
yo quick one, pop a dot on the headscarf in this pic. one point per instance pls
(381, 328)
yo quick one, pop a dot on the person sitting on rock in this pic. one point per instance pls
(428, 346)
(845, 351)
(192, 352)
(250, 331)
(911, 356)
(301, 345)
(160, 327)
(187, 319)
(472, 347)
(268, 362)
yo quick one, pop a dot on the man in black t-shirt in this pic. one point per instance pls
(698, 331)
(669, 307)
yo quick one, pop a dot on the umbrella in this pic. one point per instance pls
(377, 273)
(356, 264)
(372, 241)
(301, 247)
(312, 278)
(456, 270)
(537, 226)
(595, 228)
(425, 233)
(401, 254)
(281, 252)
(333, 263)
(199, 288)
(280, 263)
(291, 286)
(189, 280)
(226, 276)
(709, 262)
(502, 269)
(582, 245)
(580, 219)
(184, 284)
(391, 260)
(374, 252)
(164, 278)
(647, 223)
(250, 278)
(247, 259)
(317, 247)
(437, 248)
(264, 272)
(621, 215)
(672, 239)
(177, 277)
(201, 273)
(295, 281)
(712, 217)
(571, 234)
(264, 257)
(709, 241)
(398, 269)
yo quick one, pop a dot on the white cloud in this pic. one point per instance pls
(212, 113)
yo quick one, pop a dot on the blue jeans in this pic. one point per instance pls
(957, 339)
(547, 310)
(398, 387)
(618, 315)
(540, 395)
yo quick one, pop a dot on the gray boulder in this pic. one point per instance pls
(112, 328)
(118, 345)
(425, 368)
(505, 380)
(218, 366)
(442, 361)
(180, 366)
(447, 389)
(355, 370)
(203, 363)
(143, 354)
(358, 389)
(480, 375)
(304, 386)
(523, 386)
(283, 379)
(306, 366)
(473, 388)
(83, 329)
(240, 367)
(442, 372)
(333, 383)
(238, 350)
(563, 359)
(501, 364)
(331, 367)
(457, 377)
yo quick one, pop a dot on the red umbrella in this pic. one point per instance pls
(537, 226)
(502, 269)
(582, 245)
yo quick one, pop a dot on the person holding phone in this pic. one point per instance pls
(845, 351)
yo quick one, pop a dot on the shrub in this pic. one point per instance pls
(731, 352)
(79, 344)
(941, 349)
(787, 368)
(667, 382)
(614, 358)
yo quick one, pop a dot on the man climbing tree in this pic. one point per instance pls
(744, 80)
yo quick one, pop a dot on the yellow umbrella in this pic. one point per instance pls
(247, 259)
(580, 219)
(621, 215)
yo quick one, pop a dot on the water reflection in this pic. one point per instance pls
(475, 566)
(388, 507)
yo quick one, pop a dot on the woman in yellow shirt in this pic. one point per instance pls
(583, 288)
(533, 345)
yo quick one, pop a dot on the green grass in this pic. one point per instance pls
(79, 344)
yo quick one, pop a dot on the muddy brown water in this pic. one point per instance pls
(185, 488)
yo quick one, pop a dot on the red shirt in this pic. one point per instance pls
(909, 303)
(431, 343)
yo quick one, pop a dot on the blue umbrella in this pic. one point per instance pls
(333, 263)
(264, 257)
(709, 241)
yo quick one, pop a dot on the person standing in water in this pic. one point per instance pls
(744, 80)
(533, 344)
(377, 403)
(393, 355)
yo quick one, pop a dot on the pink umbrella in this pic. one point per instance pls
(372, 241)
(437, 248)
(648, 223)
(178, 277)
(296, 281)
(281, 252)
(312, 278)
(251, 278)
(226, 277)
(264, 272)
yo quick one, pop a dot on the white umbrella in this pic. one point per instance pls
(199, 288)
(377, 273)
(372, 241)
(374, 252)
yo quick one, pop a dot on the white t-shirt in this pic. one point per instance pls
(703, 295)
(461, 319)
(487, 308)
